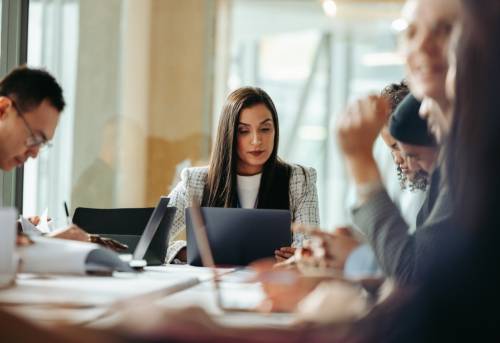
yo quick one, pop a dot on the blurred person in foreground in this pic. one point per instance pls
(426, 46)
(343, 250)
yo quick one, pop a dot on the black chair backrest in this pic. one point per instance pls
(126, 225)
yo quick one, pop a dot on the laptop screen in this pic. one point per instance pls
(151, 227)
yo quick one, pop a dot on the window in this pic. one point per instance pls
(13, 16)
(143, 95)
(53, 44)
(312, 65)
(81, 48)
(135, 105)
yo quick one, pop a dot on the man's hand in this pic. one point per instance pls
(358, 128)
(342, 243)
(284, 288)
(22, 240)
(325, 250)
(72, 232)
(357, 131)
(75, 233)
(108, 243)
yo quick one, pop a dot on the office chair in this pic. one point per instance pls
(126, 226)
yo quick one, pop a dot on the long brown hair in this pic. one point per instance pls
(220, 188)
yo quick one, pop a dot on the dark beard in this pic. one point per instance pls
(419, 182)
(402, 178)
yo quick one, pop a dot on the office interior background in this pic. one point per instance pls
(145, 82)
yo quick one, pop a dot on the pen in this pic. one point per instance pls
(68, 219)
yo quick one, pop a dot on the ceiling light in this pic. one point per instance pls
(330, 7)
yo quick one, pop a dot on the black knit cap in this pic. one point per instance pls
(407, 126)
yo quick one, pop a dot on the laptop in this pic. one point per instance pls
(239, 236)
(137, 260)
(136, 227)
(242, 301)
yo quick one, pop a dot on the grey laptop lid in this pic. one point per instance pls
(151, 228)
(240, 236)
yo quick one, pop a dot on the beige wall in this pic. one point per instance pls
(135, 99)
(97, 100)
(180, 88)
(144, 97)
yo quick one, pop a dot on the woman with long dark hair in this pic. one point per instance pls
(245, 170)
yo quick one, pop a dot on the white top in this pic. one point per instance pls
(248, 189)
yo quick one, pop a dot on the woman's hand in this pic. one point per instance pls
(284, 253)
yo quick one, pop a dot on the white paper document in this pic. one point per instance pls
(28, 227)
(60, 256)
(44, 226)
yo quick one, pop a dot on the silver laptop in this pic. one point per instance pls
(244, 303)
(136, 260)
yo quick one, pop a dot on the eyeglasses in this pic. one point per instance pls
(34, 139)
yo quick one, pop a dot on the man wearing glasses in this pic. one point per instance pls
(31, 101)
